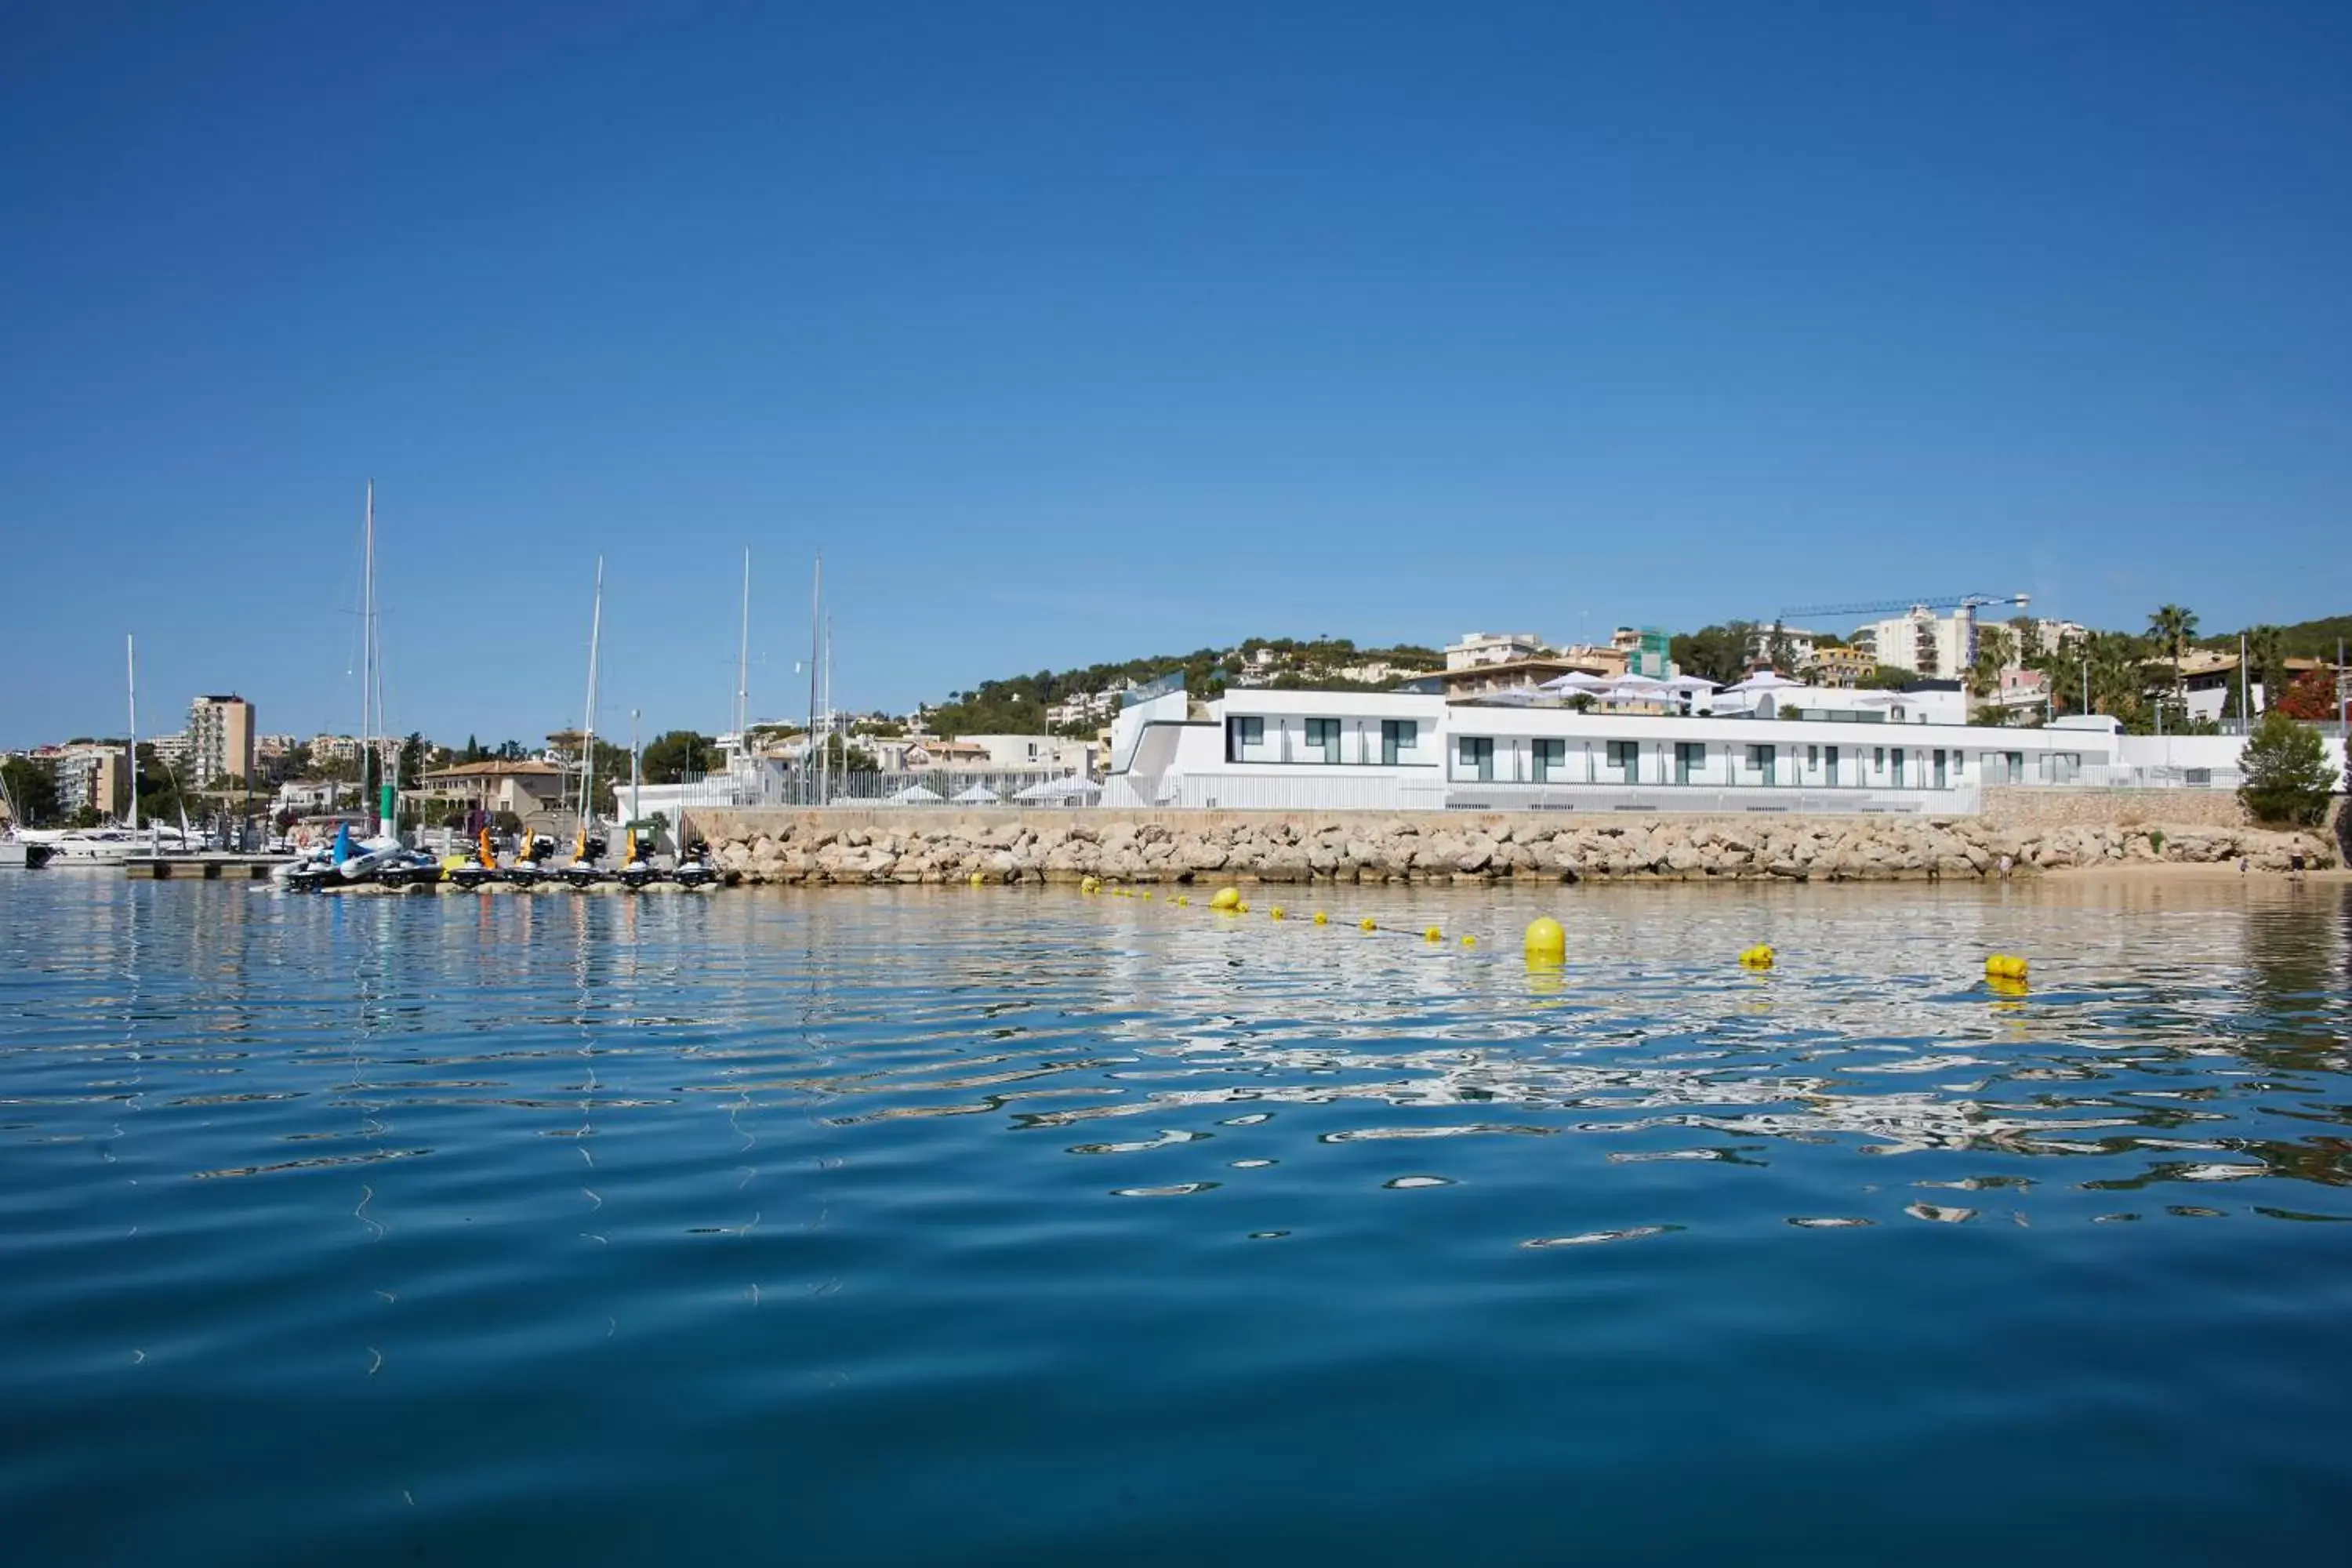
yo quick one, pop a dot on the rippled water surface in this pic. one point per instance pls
(1019, 1226)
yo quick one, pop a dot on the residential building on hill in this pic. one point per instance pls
(529, 788)
(1922, 642)
(1479, 648)
(1841, 665)
(220, 740)
(91, 777)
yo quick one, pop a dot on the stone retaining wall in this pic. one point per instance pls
(2027, 807)
(926, 845)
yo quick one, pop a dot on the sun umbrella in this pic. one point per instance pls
(978, 794)
(915, 795)
(1576, 681)
(1765, 680)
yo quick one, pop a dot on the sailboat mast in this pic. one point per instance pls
(828, 712)
(588, 729)
(816, 635)
(130, 747)
(367, 651)
(743, 663)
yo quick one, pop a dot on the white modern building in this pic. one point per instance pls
(1477, 649)
(1382, 751)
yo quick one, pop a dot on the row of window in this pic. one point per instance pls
(1244, 736)
(1475, 759)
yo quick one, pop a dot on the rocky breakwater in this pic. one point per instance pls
(914, 845)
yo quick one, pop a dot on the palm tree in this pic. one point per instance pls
(2172, 626)
(2266, 653)
(1996, 651)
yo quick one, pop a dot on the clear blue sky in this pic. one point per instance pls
(1080, 332)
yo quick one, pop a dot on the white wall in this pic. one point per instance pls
(1161, 756)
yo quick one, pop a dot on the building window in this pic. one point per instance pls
(1690, 761)
(1829, 755)
(1625, 756)
(1551, 759)
(1763, 760)
(1476, 756)
(1241, 734)
(1323, 738)
(1397, 737)
(1878, 759)
(2017, 767)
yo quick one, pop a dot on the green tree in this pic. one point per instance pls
(1714, 653)
(413, 759)
(1996, 651)
(159, 788)
(1886, 678)
(2266, 661)
(2170, 627)
(670, 757)
(2287, 775)
(33, 787)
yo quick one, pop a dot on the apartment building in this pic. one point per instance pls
(220, 740)
(90, 777)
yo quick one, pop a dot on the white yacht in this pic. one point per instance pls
(110, 846)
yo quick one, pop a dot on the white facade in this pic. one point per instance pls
(1923, 642)
(1477, 649)
(1343, 750)
(1032, 753)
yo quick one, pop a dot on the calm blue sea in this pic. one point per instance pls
(1018, 1227)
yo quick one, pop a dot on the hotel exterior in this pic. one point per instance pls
(1387, 751)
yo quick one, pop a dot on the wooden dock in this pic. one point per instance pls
(203, 867)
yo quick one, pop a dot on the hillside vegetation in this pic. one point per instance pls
(1018, 704)
(2299, 640)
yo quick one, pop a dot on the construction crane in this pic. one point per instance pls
(1965, 605)
(1968, 602)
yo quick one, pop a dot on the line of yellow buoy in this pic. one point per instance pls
(1546, 940)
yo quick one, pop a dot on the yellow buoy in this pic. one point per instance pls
(1432, 934)
(1321, 919)
(1547, 940)
(1370, 924)
(1145, 895)
(2006, 966)
(1275, 913)
(1182, 899)
(977, 878)
(1241, 908)
(1757, 957)
(1090, 885)
(1469, 942)
(1226, 899)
